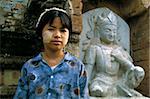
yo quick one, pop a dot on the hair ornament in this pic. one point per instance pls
(46, 10)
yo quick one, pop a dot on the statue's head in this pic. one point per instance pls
(106, 26)
(135, 76)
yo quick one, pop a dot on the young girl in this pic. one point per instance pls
(53, 74)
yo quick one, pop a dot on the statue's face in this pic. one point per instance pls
(108, 33)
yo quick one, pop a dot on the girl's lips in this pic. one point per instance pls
(56, 42)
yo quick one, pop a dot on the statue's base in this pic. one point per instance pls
(119, 97)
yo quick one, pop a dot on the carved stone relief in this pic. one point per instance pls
(105, 53)
(87, 34)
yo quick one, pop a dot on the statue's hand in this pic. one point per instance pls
(117, 54)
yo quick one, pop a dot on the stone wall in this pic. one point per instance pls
(73, 46)
(11, 12)
(140, 49)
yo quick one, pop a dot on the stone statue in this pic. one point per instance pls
(132, 79)
(109, 66)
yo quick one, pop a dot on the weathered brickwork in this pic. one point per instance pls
(77, 27)
(11, 77)
(77, 23)
(77, 16)
(1, 77)
(11, 11)
(140, 47)
(134, 7)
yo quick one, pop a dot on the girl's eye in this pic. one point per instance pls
(50, 29)
(62, 30)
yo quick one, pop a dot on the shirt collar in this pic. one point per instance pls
(67, 56)
(39, 57)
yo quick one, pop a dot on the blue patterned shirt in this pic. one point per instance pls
(38, 81)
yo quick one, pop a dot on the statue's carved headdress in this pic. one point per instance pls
(106, 18)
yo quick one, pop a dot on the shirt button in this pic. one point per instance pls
(52, 76)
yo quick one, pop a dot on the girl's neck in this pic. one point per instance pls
(53, 58)
(53, 54)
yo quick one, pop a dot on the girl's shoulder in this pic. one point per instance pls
(32, 62)
(73, 60)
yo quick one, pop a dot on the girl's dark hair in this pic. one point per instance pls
(49, 16)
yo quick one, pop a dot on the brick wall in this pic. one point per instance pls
(140, 47)
(73, 46)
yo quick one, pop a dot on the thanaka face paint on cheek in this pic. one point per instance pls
(66, 38)
(47, 36)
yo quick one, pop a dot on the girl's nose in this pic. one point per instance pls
(57, 34)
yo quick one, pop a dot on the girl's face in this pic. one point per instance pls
(54, 35)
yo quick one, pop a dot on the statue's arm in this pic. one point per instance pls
(123, 57)
(89, 60)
